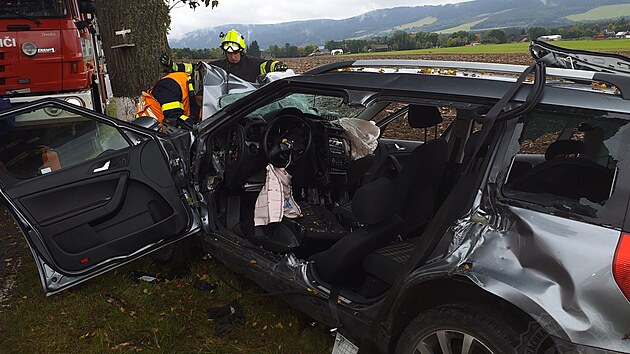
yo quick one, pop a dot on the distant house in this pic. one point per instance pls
(551, 37)
(336, 51)
(319, 51)
(380, 48)
(622, 34)
(608, 33)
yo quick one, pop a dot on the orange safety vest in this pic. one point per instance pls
(149, 106)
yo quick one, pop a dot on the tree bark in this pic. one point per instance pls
(133, 69)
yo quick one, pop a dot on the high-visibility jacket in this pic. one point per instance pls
(168, 100)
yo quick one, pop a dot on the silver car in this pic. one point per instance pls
(433, 207)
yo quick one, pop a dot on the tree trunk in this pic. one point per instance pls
(133, 69)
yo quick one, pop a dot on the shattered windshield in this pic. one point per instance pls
(33, 8)
(329, 107)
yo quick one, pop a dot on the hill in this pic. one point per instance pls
(472, 15)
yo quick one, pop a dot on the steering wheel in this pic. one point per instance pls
(228, 150)
(287, 138)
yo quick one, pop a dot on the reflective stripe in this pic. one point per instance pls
(150, 114)
(188, 68)
(183, 117)
(263, 68)
(191, 88)
(172, 105)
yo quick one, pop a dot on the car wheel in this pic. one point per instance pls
(460, 328)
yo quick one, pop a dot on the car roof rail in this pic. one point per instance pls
(558, 57)
(619, 80)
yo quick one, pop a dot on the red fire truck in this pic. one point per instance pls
(48, 49)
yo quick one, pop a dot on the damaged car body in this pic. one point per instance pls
(431, 206)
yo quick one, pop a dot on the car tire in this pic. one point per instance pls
(445, 329)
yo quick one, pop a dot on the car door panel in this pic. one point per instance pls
(104, 208)
(71, 206)
(400, 149)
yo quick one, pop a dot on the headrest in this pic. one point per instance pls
(564, 147)
(423, 116)
(374, 202)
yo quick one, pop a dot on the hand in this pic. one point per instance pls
(167, 62)
(280, 66)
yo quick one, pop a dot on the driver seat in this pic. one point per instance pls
(373, 205)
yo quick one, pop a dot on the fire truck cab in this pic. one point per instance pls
(47, 49)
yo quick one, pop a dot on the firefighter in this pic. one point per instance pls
(236, 62)
(172, 101)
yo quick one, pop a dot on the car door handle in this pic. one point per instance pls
(104, 167)
(399, 147)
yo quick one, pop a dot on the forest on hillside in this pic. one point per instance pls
(402, 40)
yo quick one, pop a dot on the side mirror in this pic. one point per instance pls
(147, 122)
(87, 6)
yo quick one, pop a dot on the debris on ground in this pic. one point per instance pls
(227, 317)
(139, 276)
(204, 285)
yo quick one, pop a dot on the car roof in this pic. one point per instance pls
(606, 91)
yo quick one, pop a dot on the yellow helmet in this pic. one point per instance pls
(232, 41)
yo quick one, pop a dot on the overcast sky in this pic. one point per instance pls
(184, 20)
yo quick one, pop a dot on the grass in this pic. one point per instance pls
(602, 13)
(114, 313)
(463, 26)
(592, 45)
(419, 23)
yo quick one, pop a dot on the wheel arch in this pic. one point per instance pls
(420, 296)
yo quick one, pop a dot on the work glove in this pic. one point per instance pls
(168, 63)
(184, 124)
(280, 66)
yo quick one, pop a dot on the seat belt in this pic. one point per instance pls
(332, 304)
(436, 227)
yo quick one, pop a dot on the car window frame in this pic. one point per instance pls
(614, 209)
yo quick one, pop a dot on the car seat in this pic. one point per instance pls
(416, 184)
(373, 206)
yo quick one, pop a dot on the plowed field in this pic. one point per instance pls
(300, 65)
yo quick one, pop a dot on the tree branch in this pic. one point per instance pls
(193, 4)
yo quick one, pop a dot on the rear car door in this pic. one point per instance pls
(89, 192)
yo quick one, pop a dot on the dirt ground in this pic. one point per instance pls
(13, 246)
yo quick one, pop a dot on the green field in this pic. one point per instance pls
(602, 13)
(421, 22)
(462, 27)
(609, 45)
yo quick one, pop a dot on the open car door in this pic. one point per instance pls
(90, 193)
